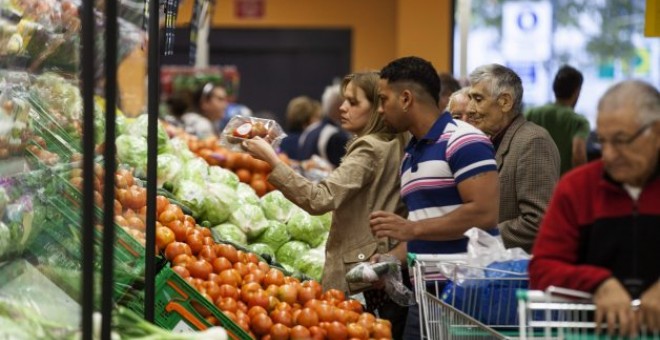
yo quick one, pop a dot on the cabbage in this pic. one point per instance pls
(191, 194)
(121, 124)
(291, 251)
(312, 263)
(229, 232)
(169, 166)
(247, 195)
(195, 170)
(303, 227)
(132, 150)
(222, 176)
(180, 148)
(325, 219)
(250, 218)
(275, 235)
(218, 203)
(262, 249)
(139, 127)
(276, 206)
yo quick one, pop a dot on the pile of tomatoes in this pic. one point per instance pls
(258, 298)
(130, 205)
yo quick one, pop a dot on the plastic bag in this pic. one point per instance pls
(388, 269)
(485, 287)
(241, 128)
(316, 168)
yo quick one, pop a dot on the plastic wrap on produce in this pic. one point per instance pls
(240, 129)
(387, 269)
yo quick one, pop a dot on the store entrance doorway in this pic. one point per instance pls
(276, 65)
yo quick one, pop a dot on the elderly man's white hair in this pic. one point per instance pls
(643, 96)
(331, 99)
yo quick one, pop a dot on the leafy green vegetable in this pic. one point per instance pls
(180, 148)
(290, 252)
(229, 232)
(247, 195)
(275, 235)
(218, 202)
(139, 127)
(191, 194)
(303, 227)
(262, 249)
(195, 170)
(312, 263)
(169, 166)
(132, 150)
(250, 218)
(222, 176)
(276, 206)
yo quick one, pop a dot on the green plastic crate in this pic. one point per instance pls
(177, 306)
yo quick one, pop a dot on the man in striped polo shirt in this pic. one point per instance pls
(449, 178)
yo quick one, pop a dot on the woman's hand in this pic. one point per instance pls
(260, 149)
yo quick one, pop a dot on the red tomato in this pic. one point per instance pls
(258, 298)
(212, 288)
(228, 251)
(229, 291)
(300, 333)
(282, 316)
(182, 271)
(381, 330)
(279, 332)
(334, 293)
(256, 310)
(183, 260)
(176, 248)
(230, 277)
(261, 323)
(307, 318)
(178, 228)
(200, 269)
(164, 236)
(195, 241)
(337, 331)
(317, 332)
(325, 312)
(161, 203)
(351, 305)
(355, 330)
(306, 294)
(227, 304)
(220, 264)
(207, 253)
(287, 293)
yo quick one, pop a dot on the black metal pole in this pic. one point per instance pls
(111, 35)
(87, 223)
(153, 75)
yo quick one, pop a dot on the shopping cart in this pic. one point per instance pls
(484, 306)
(559, 313)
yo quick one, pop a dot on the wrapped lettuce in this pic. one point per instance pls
(262, 249)
(195, 170)
(169, 167)
(325, 219)
(132, 150)
(302, 227)
(276, 206)
(247, 195)
(139, 127)
(291, 252)
(223, 176)
(275, 235)
(250, 218)
(218, 203)
(191, 194)
(180, 148)
(312, 263)
(229, 232)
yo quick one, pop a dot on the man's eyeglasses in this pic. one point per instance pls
(621, 142)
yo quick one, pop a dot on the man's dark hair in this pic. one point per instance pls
(448, 84)
(415, 70)
(567, 81)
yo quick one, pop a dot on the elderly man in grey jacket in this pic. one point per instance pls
(527, 158)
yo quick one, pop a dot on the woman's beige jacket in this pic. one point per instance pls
(366, 180)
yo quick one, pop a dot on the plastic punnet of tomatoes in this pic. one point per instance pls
(240, 129)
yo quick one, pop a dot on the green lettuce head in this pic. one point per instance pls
(229, 232)
(275, 235)
(303, 227)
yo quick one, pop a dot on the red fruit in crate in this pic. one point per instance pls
(200, 269)
(176, 248)
(279, 332)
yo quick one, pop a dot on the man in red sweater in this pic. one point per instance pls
(601, 231)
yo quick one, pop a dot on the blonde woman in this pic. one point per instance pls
(366, 180)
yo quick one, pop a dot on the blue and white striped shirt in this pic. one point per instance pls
(449, 153)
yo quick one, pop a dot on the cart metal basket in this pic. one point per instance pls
(484, 306)
(559, 313)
